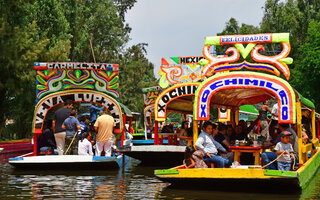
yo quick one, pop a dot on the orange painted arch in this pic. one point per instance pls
(171, 93)
(276, 86)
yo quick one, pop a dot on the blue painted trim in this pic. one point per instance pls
(151, 142)
(18, 158)
(244, 66)
(101, 158)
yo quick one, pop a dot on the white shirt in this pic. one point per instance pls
(85, 147)
(207, 144)
(274, 111)
(284, 147)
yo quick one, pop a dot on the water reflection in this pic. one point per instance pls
(131, 182)
(116, 184)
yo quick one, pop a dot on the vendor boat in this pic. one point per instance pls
(230, 89)
(79, 82)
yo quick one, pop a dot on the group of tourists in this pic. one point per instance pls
(212, 145)
(69, 136)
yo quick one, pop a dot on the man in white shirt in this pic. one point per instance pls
(210, 147)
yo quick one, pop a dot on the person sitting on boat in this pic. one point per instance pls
(210, 147)
(284, 150)
(46, 141)
(59, 117)
(84, 145)
(104, 127)
(183, 133)
(193, 158)
(221, 136)
(268, 157)
(229, 133)
(239, 134)
(72, 126)
(167, 129)
(84, 127)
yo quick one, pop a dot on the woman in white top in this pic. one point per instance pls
(84, 145)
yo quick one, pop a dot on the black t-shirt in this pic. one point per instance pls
(47, 139)
(60, 115)
(220, 138)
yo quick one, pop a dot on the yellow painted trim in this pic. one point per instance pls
(237, 117)
(220, 173)
(195, 132)
(313, 114)
(308, 162)
(299, 132)
(306, 148)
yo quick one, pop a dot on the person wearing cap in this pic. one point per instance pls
(268, 157)
(285, 150)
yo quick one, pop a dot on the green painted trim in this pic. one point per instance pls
(308, 172)
(269, 172)
(280, 37)
(212, 40)
(175, 59)
(245, 51)
(276, 38)
(138, 134)
(166, 171)
(203, 62)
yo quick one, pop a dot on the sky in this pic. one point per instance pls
(174, 28)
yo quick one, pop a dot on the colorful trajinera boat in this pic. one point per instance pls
(225, 85)
(167, 151)
(80, 82)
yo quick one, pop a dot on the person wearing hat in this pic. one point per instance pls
(285, 150)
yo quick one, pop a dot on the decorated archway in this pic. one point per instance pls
(170, 94)
(239, 88)
(148, 113)
(78, 95)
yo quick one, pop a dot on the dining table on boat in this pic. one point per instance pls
(247, 149)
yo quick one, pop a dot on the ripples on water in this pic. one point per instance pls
(132, 182)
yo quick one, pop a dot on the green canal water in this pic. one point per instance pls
(131, 182)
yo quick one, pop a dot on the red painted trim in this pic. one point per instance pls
(35, 144)
(123, 129)
(156, 136)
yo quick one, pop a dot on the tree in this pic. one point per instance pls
(136, 72)
(307, 71)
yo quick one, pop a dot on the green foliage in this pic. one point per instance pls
(307, 70)
(136, 72)
(61, 30)
(295, 17)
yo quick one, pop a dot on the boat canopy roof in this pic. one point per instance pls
(249, 109)
(125, 110)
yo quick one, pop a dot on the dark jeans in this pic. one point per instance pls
(268, 157)
(218, 161)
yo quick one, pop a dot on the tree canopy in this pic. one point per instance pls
(62, 30)
(301, 19)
